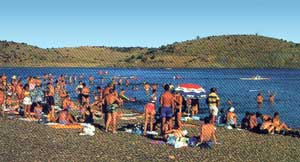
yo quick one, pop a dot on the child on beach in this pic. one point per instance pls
(231, 118)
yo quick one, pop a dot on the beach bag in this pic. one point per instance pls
(193, 141)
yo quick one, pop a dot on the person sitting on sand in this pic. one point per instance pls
(246, 121)
(149, 113)
(168, 132)
(38, 109)
(11, 104)
(221, 118)
(64, 117)
(267, 126)
(253, 122)
(88, 115)
(207, 132)
(263, 117)
(111, 110)
(279, 126)
(231, 118)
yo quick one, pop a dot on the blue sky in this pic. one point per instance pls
(152, 23)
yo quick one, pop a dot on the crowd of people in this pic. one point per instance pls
(47, 97)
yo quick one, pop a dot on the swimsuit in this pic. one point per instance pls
(150, 108)
(111, 108)
(85, 96)
(166, 112)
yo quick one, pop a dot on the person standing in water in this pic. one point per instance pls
(272, 98)
(259, 99)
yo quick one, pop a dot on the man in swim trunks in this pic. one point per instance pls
(110, 101)
(167, 106)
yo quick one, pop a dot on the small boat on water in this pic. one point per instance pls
(256, 77)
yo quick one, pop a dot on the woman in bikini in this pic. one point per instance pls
(149, 113)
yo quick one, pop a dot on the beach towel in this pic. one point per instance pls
(152, 133)
(196, 118)
(130, 115)
(70, 126)
(154, 142)
(128, 118)
(28, 119)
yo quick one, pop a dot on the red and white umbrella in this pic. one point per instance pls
(191, 90)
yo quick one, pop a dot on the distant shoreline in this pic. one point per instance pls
(154, 68)
(226, 51)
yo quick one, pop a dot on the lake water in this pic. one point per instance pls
(284, 82)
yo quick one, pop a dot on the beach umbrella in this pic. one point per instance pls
(190, 90)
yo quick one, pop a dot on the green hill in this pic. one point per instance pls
(229, 51)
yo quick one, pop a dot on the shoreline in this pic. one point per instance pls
(149, 68)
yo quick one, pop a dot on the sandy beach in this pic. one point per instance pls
(28, 141)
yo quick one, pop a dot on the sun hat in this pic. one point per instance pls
(231, 109)
(14, 77)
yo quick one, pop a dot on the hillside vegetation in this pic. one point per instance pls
(229, 51)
